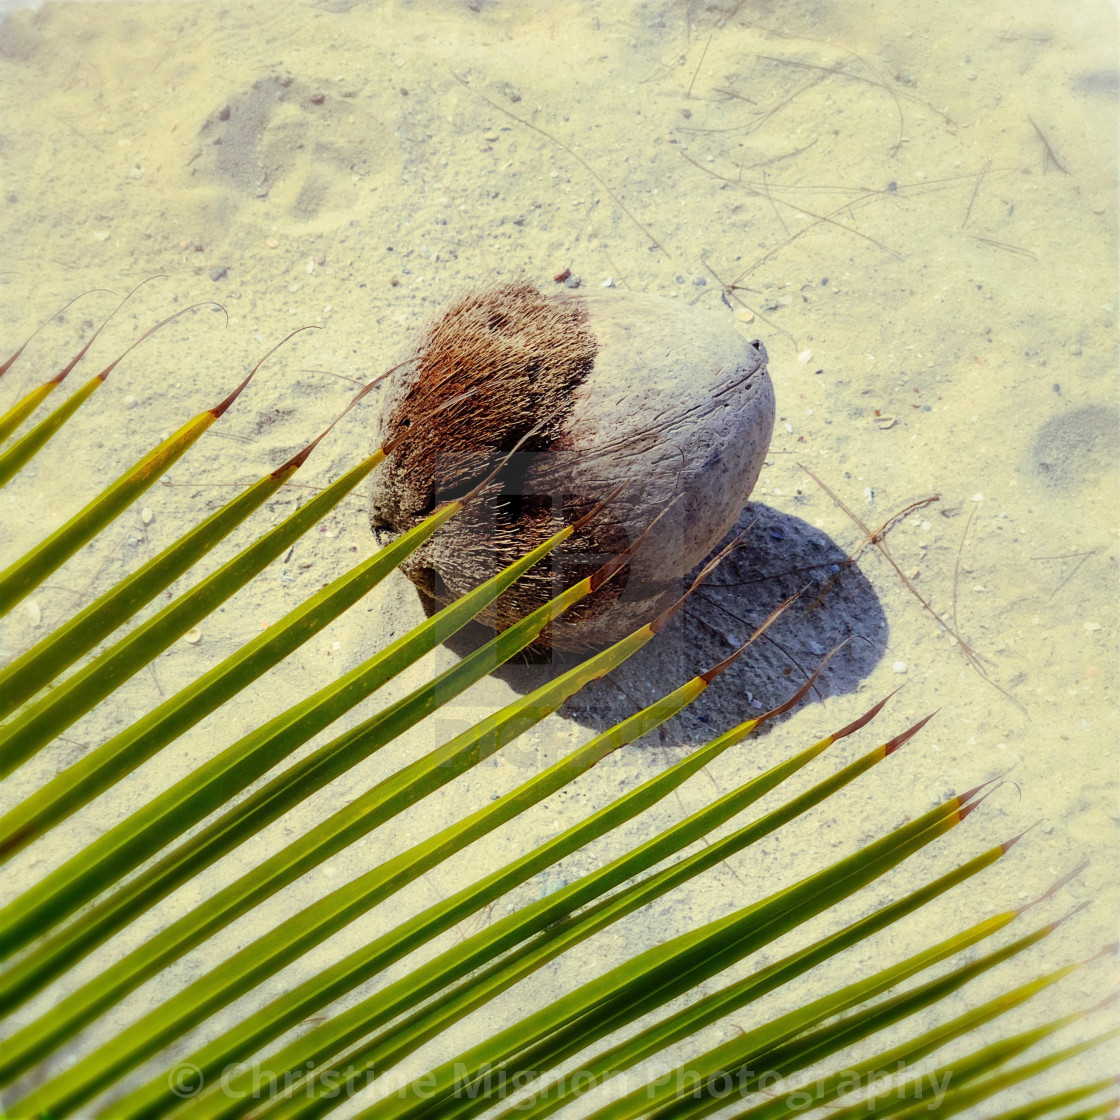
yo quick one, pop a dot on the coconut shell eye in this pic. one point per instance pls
(616, 388)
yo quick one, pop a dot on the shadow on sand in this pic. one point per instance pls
(779, 556)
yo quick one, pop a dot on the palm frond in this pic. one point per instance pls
(643, 1008)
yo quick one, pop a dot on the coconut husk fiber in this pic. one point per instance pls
(602, 390)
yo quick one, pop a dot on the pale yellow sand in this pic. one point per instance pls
(949, 168)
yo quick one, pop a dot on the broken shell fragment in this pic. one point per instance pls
(607, 389)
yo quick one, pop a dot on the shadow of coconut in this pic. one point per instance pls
(780, 556)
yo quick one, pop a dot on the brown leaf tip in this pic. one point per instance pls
(893, 745)
(865, 719)
(1007, 845)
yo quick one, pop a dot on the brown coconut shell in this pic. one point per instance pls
(610, 388)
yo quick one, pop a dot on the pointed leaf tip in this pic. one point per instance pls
(623, 558)
(710, 675)
(221, 408)
(598, 508)
(803, 691)
(972, 806)
(66, 370)
(1112, 997)
(473, 493)
(8, 363)
(865, 719)
(1007, 845)
(1072, 914)
(770, 619)
(152, 330)
(1054, 887)
(300, 457)
(892, 746)
(715, 561)
(967, 796)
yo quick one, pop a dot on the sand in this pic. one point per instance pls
(913, 207)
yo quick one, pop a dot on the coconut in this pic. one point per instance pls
(605, 391)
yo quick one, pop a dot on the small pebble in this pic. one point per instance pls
(608, 283)
(490, 136)
(219, 272)
(899, 666)
(573, 281)
(1092, 627)
(137, 172)
(33, 612)
(317, 98)
(146, 515)
(272, 242)
(193, 635)
(321, 260)
(129, 401)
(977, 497)
(805, 356)
(744, 315)
(101, 235)
(223, 113)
